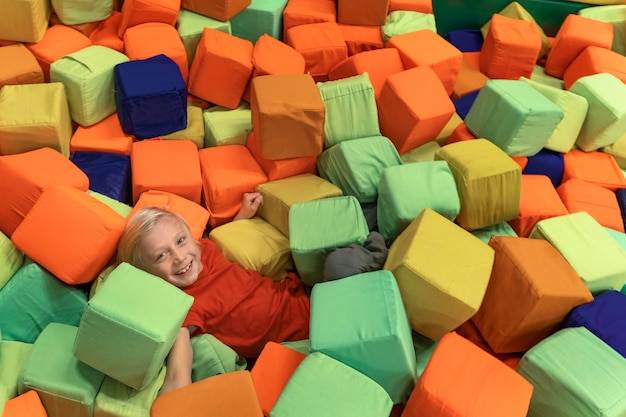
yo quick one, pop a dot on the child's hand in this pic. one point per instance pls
(249, 205)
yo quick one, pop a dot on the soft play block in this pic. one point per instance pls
(574, 108)
(130, 324)
(405, 190)
(470, 79)
(194, 130)
(136, 12)
(351, 111)
(459, 134)
(271, 372)
(34, 116)
(230, 393)
(598, 259)
(184, 176)
(531, 291)
(150, 97)
(221, 68)
(212, 357)
(466, 40)
(255, 245)
(87, 76)
(422, 6)
(115, 398)
(575, 34)
(400, 22)
(565, 383)
(594, 60)
(58, 41)
(277, 169)
(190, 26)
(120, 208)
(361, 38)
(109, 174)
(25, 405)
(287, 115)
(407, 118)
(24, 68)
(32, 299)
(305, 12)
(13, 355)
(599, 168)
(618, 151)
(546, 162)
(66, 386)
(604, 317)
(427, 48)
(463, 104)
(13, 259)
(318, 227)
(540, 76)
(90, 231)
(538, 201)
(222, 10)
(280, 195)
(377, 63)
(615, 14)
(513, 115)
(260, 18)
(424, 153)
(224, 126)
(77, 12)
(442, 272)
(24, 21)
(228, 172)
(500, 229)
(152, 38)
(105, 34)
(355, 165)
(606, 118)
(461, 379)
(367, 13)
(346, 391)
(104, 136)
(488, 182)
(352, 323)
(601, 203)
(510, 49)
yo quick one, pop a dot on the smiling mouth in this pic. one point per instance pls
(184, 270)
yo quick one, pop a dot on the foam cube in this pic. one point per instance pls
(356, 165)
(13, 259)
(190, 26)
(488, 182)
(212, 357)
(405, 190)
(136, 12)
(115, 398)
(34, 116)
(25, 405)
(224, 126)
(469, 81)
(194, 130)
(598, 168)
(65, 385)
(370, 13)
(318, 227)
(565, 384)
(104, 136)
(588, 247)
(109, 174)
(424, 153)
(77, 12)
(260, 18)
(25, 21)
(277, 169)
(280, 195)
(222, 10)
(360, 38)
(400, 22)
(594, 60)
(105, 34)
(442, 272)
(352, 323)
(615, 14)
(147, 159)
(130, 324)
(305, 12)
(24, 68)
(150, 97)
(513, 115)
(486, 233)
(601, 203)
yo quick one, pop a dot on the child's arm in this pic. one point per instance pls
(250, 203)
(178, 372)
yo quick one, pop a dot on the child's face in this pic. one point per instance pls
(169, 252)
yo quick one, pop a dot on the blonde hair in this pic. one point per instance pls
(142, 222)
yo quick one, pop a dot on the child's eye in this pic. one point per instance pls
(160, 256)
(181, 240)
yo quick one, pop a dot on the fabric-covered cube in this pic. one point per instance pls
(194, 130)
(190, 26)
(105, 33)
(615, 14)
(34, 116)
(109, 174)
(184, 176)
(368, 13)
(287, 116)
(352, 323)
(361, 38)
(402, 21)
(606, 118)
(565, 384)
(115, 398)
(212, 357)
(280, 195)
(546, 162)
(304, 12)
(277, 169)
(228, 172)
(351, 111)
(442, 272)
(150, 97)
(25, 21)
(256, 245)
(130, 324)
(28, 404)
(64, 383)
(601, 203)
(87, 76)
(222, 10)
(260, 18)
(104, 136)
(405, 190)
(13, 259)
(531, 291)
(597, 167)
(229, 393)
(13, 355)
(457, 378)
(407, 118)
(136, 12)
(597, 258)
(486, 233)
(70, 233)
(488, 182)
(24, 68)
(513, 115)
(318, 227)
(594, 60)
(224, 126)
(345, 391)
(356, 165)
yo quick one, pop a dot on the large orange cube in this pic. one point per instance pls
(104, 136)
(594, 60)
(136, 12)
(222, 10)
(360, 12)
(24, 68)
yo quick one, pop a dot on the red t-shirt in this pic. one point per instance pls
(244, 309)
